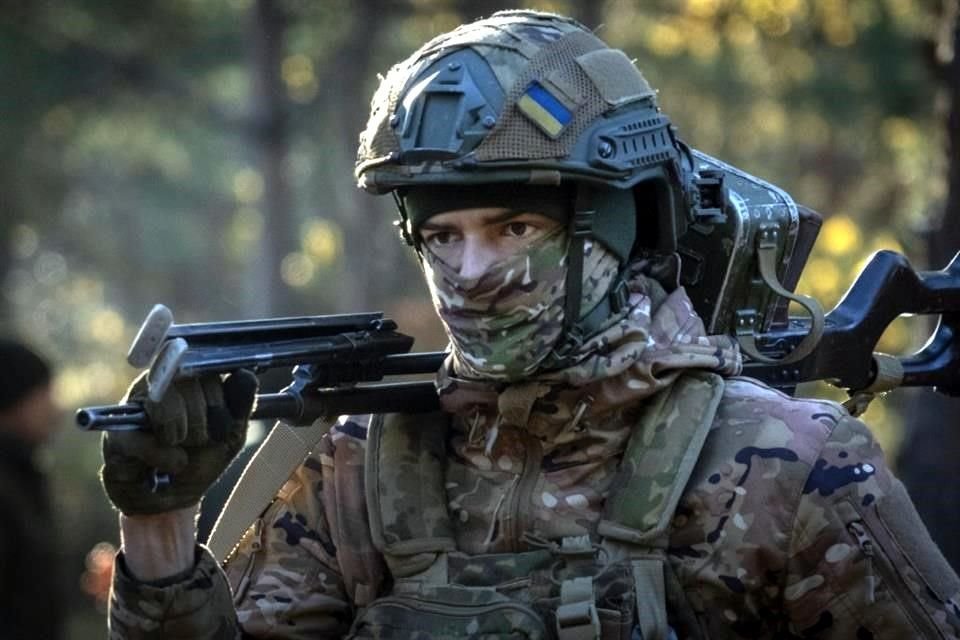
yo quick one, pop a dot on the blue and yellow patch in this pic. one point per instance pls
(545, 109)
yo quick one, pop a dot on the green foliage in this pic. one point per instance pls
(826, 99)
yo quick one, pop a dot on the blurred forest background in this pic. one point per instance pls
(199, 153)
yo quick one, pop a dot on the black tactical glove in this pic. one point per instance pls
(192, 434)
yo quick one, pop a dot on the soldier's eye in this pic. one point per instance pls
(440, 238)
(517, 229)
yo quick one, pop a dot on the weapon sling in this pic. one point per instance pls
(278, 455)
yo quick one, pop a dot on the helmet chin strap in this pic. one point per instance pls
(576, 330)
(403, 224)
(580, 228)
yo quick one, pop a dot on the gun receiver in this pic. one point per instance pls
(336, 357)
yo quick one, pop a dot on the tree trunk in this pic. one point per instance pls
(372, 255)
(944, 241)
(590, 13)
(927, 462)
(268, 295)
(6, 249)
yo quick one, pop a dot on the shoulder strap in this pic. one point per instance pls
(404, 484)
(660, 457)
(282, 450)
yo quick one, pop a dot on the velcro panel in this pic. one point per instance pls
(404, 485)
(615, 76)
(515, 136)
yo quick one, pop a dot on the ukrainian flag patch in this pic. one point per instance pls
(545, 109)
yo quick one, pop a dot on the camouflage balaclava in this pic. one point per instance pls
(509, 323)
(505, 324)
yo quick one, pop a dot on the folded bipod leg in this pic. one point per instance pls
(150, 348)
(149, 340)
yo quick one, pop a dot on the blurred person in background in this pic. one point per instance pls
(31, 605)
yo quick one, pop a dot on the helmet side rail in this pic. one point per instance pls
(337, 358)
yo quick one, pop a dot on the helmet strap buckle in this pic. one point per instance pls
(402, 226)
(619, 296)
(581, 224)
(569, 344)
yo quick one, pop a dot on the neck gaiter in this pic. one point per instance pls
(504, 325)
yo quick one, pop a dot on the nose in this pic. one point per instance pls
(477, 257)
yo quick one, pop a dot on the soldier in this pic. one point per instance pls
(31, 589)
(598, 469)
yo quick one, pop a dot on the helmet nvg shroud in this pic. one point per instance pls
(527, 98)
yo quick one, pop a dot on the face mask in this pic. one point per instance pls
(505, 324)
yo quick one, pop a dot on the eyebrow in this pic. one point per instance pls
(494, 219)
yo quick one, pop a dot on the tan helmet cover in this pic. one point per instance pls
(541, 62)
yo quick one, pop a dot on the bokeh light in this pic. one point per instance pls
(839, 236)
(25, 241)
(322, 241)
(107, 327)
(247, 186)
(243, 232)
(299, 77)
(297, 269)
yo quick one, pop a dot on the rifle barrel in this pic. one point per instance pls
(291, 407)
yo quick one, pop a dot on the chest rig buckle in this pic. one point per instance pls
(577, 617)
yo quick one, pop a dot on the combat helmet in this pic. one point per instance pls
(533, 99)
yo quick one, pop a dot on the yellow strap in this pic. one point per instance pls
(746, 329)
(283, 449)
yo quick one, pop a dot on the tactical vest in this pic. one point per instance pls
(619, 586)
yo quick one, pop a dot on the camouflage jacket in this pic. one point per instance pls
(790, 526)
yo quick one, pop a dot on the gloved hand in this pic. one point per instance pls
(192, 434)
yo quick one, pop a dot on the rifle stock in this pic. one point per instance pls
(885, 289)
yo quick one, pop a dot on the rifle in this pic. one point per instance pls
(340, 360)
(331, 356)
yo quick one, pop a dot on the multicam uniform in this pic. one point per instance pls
(791, 525)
